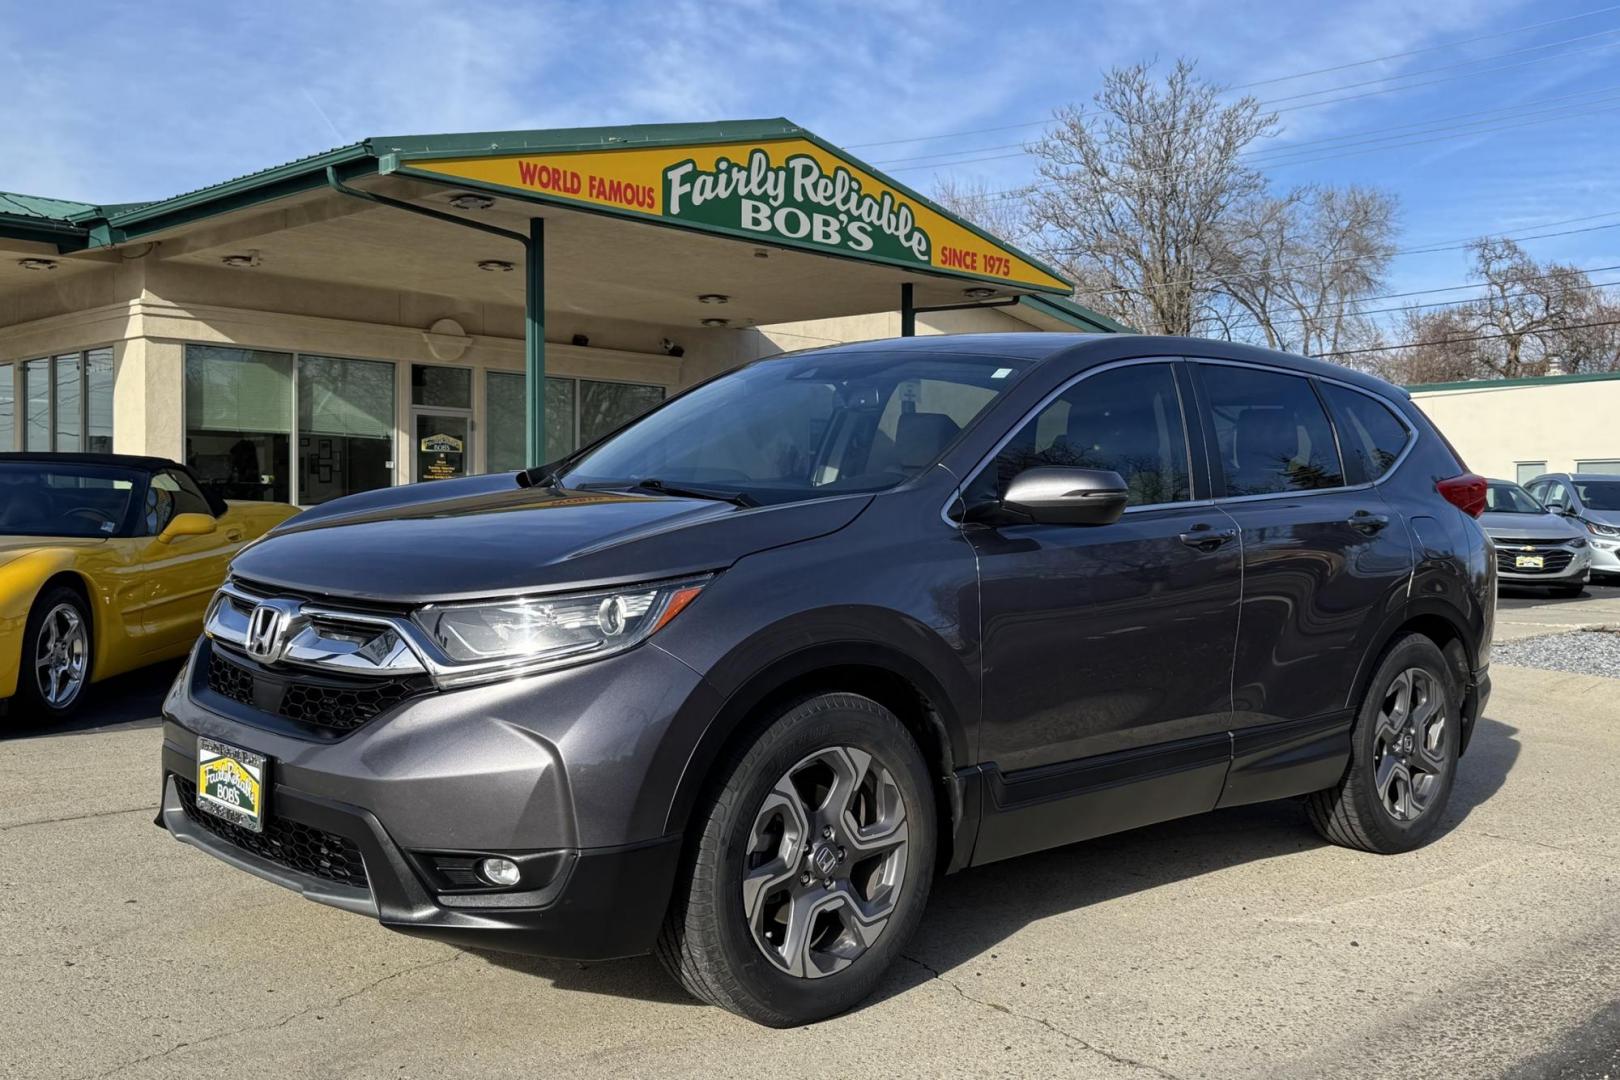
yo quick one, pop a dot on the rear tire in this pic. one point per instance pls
(1403, 756)
(787, 916)
(57, 633)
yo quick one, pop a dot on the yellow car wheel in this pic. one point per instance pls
(56, 655)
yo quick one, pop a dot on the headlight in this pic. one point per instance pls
(1578, 542)
(533, 633)
(1598, 529)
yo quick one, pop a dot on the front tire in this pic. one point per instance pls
(1403, 756)
(810, 868)
(56, 656)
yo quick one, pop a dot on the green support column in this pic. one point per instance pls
(534, 342)
(908, 312)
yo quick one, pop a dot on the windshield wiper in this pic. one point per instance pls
(660, 487)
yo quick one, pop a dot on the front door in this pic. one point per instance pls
(1107, 650)
(442, 445)
(183, 573)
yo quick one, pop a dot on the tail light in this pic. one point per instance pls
(1465, 492)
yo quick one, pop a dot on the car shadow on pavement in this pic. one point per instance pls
(122, 703)
(974, 912)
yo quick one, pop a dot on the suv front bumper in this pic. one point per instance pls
(571, 774)
(598, 904)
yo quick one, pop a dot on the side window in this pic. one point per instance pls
(1557, 493)
(1273, 435)
(1128, 420)
(1370, 435)
(172, 493)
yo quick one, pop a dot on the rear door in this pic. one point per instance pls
(1107, 650)
(1326, 560)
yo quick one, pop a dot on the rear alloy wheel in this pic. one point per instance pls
(56, 655)
(1403, 756)
(812, 866)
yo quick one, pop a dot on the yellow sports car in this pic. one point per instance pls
(106, 564)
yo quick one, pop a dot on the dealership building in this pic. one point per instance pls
(408, 308)
(1516, 429)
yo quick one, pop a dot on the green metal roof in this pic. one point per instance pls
(76, 225)
(1502, 384)
(1074, 314)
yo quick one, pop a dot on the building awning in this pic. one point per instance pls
(640, 222)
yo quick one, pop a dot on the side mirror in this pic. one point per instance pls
(1058, 495)
(186, 525)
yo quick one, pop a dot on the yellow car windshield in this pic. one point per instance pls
(63, 500)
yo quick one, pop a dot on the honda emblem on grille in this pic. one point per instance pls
(267, 629)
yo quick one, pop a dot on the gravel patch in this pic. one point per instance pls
(1584, 652)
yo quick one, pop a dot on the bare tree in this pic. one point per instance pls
(1003, 214)
(1135, 189)
(1531, 319)
(1297, 264)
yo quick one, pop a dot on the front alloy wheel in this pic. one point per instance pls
(826, 862)
(809, 865)
(61, 656)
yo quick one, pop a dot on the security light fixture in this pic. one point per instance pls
(716, 322)
(978, 292)
(241, 261)
(714, 298)
(37, 264)
(496, 266)
(581, 340)
(468, 200)
(671, 348)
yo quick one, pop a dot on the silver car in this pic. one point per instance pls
(1534, 546)
(1592, 502)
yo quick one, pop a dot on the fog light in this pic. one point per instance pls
(502, 872)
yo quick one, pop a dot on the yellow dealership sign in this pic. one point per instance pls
(790, 190)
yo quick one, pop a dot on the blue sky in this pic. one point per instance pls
(113, 102)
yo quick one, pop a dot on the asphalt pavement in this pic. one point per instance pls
(1236, 944)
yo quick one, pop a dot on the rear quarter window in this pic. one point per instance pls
(1371, 437)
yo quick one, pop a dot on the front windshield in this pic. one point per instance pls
(1599, 494)
(51, 499)
(804, 426)
(1504, 498)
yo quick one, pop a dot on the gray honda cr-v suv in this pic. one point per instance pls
(738, 682)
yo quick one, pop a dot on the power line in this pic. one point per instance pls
(1284, 155)
(1349, 258)
(1476, 337)
(1427, 48)
(1264, 82)
(1446, 67)
(1294, 319)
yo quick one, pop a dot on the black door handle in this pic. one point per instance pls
(1369, 523)
(1205, 538)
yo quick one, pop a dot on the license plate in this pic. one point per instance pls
(231, 783)
(1529, 562)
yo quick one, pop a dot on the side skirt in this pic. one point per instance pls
(1052, 805)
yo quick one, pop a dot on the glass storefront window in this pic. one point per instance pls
(69, 403)
(8, 407)
(345, 427)
(239, 421)
(98, 392)
(37, 404)
(605, 407)
(441, 387)
(505, 418)
(66, 403)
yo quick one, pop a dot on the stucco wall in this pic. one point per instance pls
(1560, 422)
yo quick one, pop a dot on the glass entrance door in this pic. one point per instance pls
(441, 445)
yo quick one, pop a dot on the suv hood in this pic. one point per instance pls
(485, 536)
